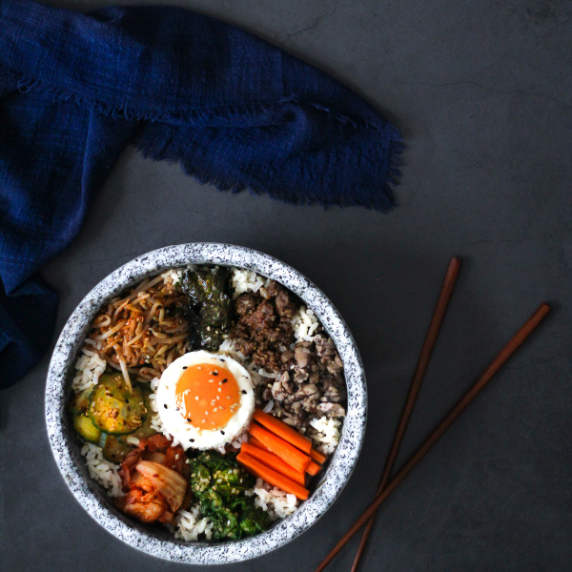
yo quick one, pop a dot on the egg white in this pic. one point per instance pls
(189, 436)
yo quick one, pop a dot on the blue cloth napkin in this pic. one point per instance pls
(237, 112)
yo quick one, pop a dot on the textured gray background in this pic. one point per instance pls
(481, 91)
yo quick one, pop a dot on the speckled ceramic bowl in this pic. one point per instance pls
(155, 539)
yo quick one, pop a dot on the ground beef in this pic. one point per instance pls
(309, 378)
(263, 329)
(310, 383)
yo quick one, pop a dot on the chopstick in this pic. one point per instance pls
(489, 372)
(424, 357)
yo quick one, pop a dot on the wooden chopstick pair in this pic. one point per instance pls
(385, 489)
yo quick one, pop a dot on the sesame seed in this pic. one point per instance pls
(211, 380)
(165, 406)
(192, 440)
(244, 391)
(197, 397)
(222, 432)
(206, 412)
(204, 420)
(224, 380)
(185, 367)
(199, 367)
(215, 372)
(176, 408)
(218, 396)
(220, 390)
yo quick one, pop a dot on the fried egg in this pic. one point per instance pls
(205, 400)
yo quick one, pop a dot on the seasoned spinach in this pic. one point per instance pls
(219, 483)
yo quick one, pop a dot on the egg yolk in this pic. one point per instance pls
(207, 396)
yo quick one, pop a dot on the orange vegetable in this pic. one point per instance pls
(272, 477)
(289, 454)
(256, 443)
(313, 468)
(283, 430)
(318, 457)
(274, 462)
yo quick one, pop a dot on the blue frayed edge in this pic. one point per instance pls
(382, 201)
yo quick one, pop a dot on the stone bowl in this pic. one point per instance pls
(156, 539)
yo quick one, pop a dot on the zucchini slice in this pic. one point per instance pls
(113, 408)
(114, 449)
(80, 401)
(83, 424)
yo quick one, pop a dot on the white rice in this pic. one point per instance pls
(326, 435)
(275, 502)
(246, 281)
(101, 470)
(189, 524)
(89, 367)
(239, 440)
(305, 324)
(156, 422)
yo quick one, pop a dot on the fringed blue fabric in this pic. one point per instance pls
(236, 112)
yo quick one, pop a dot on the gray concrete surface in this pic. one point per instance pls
(482, 93)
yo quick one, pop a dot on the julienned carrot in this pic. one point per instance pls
(256, 443)
(313, 468)
(272, 477)
(274, 462)
(283, 430)
(288, 453)
(318, 457)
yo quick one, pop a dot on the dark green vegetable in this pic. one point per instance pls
(219, 483)
(231, 482)
(80, 401)
(253, 520)
(200, 478)
(145, 431)
(209, 310)
(82, 422)
(113, 408)
(225, 525)
(114, 448)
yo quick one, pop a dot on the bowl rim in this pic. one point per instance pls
(92, 497)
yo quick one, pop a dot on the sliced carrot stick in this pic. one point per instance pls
(318, 457)
(272, 477)
(274, 462)
(283, 430)
(313, 468)
(289, 454)
(256, 443)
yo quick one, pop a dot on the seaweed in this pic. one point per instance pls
(209, 312)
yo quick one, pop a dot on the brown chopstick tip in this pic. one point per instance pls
(441, 306)
(502, 357)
